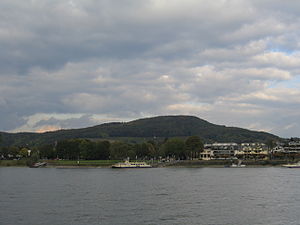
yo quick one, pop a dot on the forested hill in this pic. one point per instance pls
(161, 126)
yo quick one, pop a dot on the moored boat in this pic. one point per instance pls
(239, 165)
(38, 165)
(292, 165)
(128, 164)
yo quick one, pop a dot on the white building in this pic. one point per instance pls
(252, 151)
(292, 147)
(219, 151)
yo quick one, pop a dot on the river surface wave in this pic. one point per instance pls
(167, 196)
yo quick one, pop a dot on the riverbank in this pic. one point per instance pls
(62, 163)
(177, 163)
(224, 163)
(14, 163)
(81, 163)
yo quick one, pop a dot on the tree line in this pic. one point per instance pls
(84, 149)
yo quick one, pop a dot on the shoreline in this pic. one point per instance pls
(172, 164)
(108, 167)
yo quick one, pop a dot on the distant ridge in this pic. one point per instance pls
(160, 127)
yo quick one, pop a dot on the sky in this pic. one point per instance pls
(78, 63)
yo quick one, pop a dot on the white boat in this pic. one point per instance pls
(128, 164)
(239, 165)
(38, 165)
(294, 165)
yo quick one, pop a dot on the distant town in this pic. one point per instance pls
(252, 151)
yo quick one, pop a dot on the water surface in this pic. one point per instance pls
(49, 196)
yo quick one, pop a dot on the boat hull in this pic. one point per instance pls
(291, 166)
(237, 166)
(131, 165)
(38, 165)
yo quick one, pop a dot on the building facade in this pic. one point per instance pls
(252, 151)
(234, 151)
(219, 151)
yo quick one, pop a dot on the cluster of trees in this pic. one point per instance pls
(74, 149)
(13, 152)
(77, 149)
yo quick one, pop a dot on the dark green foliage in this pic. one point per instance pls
(193, 146)
(121, 150)
(87, 149)
(102, 148)
(175, 147)
(3, 152)
(68, 149)
(270, 143)
(94, 150)
(75, 149)
(13, 151)
(153, 149)
(156, 127)
(143, 150)
(33, 158)
(47, 152)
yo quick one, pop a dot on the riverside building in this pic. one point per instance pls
(290, 149)
(252, 151)
(234, 151)
(219, 151)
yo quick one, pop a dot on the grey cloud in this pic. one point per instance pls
(9, 120)
(51, 33)
(83, 121)
(131, 58)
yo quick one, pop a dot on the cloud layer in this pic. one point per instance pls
(76, 63)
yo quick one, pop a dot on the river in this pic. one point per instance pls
(167, 196)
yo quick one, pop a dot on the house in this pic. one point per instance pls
(219, 151)
(206, 154)
(290, 149)
(252, 151)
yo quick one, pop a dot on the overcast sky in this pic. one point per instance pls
(77, 63)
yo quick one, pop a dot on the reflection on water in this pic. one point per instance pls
(149, 196)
